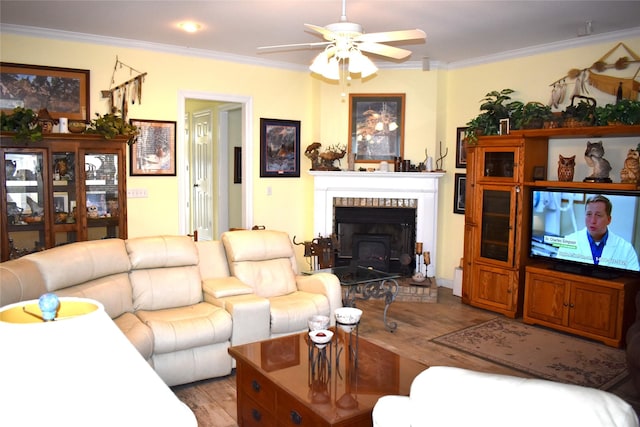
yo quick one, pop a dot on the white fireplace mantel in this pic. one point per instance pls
(422, 187)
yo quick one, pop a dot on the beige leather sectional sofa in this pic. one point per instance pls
(182, 303)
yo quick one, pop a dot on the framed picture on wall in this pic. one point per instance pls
(279, 148)
(376, 126)
(459, 193)
(461, 149)
(154, 153)
(64, 92)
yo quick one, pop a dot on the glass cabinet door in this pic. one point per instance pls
(498, 164)
(64, 197)
(26, 203)
(101, 196)
(497, 224)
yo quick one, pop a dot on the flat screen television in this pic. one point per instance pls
(560, 222)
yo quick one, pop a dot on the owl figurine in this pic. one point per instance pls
(630, 173)
(566, 167)
(92, 211)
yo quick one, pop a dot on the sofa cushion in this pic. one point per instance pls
(498, 400)
(181, 328)
(290, 313)
(20, 280)
(161, 251)
(161, 288)
(137, 333)
(212, 259)
(79, 262)
(268, 278)
(114, 292)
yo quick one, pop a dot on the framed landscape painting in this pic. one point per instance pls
(376, 126)
(64, 92)
(279, 148)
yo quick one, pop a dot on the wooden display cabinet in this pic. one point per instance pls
(497, 168)
(591, 307)
(63, 189)
(500, 178)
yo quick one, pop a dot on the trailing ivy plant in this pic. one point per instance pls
(111, 125)
(22, 121)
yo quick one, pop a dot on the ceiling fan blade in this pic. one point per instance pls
(294, 45)
(384, 50)
(327, 34)
(392, 36)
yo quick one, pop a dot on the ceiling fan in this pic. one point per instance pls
(346, 40)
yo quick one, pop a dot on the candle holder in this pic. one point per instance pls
(427, 261)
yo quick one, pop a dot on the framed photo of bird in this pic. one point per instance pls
(279, 148)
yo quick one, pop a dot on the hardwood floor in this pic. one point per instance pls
(214, 401)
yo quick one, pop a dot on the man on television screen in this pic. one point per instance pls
(596, 244)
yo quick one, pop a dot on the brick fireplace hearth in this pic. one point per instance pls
(369, 190)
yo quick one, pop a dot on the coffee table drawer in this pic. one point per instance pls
(252, 414)
(256, 386)
(292, 413)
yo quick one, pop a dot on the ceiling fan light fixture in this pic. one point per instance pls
(367, 67)
(332, 70)
(320, 63)
(355, 61)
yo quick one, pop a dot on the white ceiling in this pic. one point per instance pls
(457, 31)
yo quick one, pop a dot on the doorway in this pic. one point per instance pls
(209, 200)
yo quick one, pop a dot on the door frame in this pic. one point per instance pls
(184, 190)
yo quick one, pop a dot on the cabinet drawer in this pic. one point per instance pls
(253, 414)
(257, 387)
(292, 413)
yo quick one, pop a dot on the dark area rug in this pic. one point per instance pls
(541, 353)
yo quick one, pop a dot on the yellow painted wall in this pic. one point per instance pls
(437, 102)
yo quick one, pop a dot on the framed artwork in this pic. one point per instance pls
(279, 148)
(61, 201)
(376, 126)
(154, 153)
(237, 165)
(459, 193)
(64, 92)
(461, 149)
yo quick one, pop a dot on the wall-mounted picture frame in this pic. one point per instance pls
(154, 153)
(279, 148)
(64, 92)
(376, 126)
(461, 148)
(460, 191)
(237, 165)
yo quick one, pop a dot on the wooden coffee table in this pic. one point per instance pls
(288, 382)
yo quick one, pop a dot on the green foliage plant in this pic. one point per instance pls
(111, 125)
(22, 121)
(533, 115)
(496, 105)
(624, 112)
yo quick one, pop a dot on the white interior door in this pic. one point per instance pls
(202, 175)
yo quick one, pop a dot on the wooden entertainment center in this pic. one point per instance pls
(499, 275)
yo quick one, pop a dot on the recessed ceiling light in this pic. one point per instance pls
(189, 26)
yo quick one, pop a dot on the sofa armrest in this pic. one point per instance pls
(392, 411)
(250, 316)
(222, 287)
(326, 284)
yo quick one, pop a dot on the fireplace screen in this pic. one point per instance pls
(385, 234)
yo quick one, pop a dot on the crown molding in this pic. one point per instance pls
(223, 56)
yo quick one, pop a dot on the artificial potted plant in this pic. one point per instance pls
(623, 112)
(22, 121)
(494, 107)
(533, 115)
(581, 113)
(111, 125)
